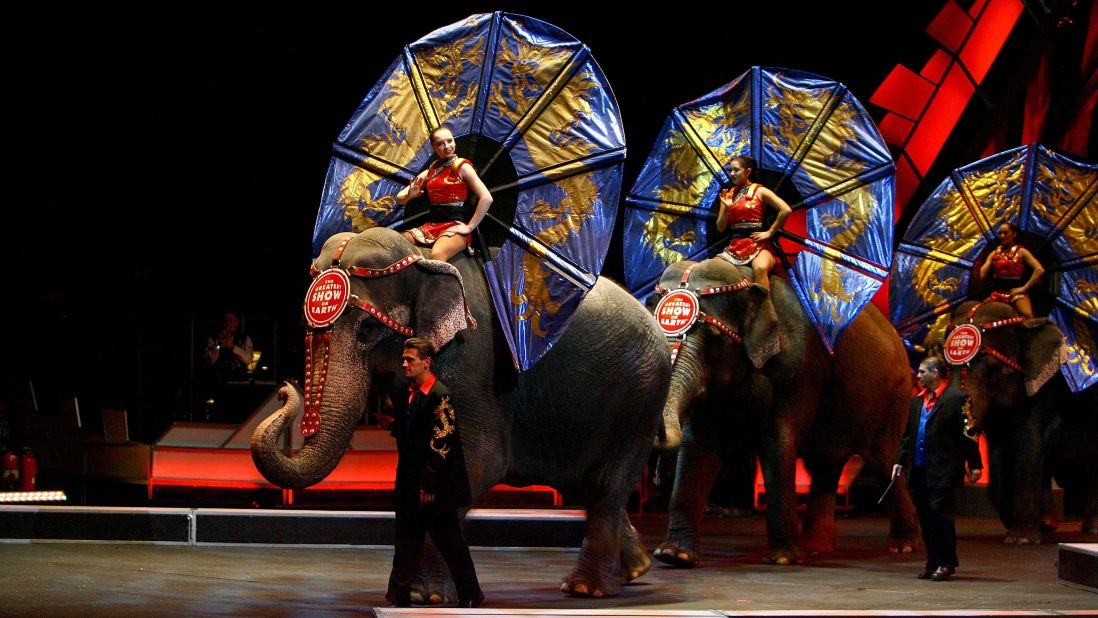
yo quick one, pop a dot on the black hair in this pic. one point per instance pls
(934, 363)
(748, 162)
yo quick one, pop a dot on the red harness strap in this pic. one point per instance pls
(318, 343)
(988, 349)
(381, 316)
(374, 273)
(316, 373)
(742, 284)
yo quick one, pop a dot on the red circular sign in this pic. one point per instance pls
(677, 312)
(327, 298)
(962, 344)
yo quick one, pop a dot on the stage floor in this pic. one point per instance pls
(75, 578)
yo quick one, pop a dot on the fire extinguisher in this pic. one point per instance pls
(28, 470)
(11, 472)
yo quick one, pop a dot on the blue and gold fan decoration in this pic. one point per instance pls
(1054, 200)
(816, 146)
(531, 108)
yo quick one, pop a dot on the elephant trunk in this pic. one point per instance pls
(341, 406)
(689, 376)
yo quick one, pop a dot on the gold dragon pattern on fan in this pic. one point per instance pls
(581, 195)
(1088, 306)
(358, 203)
(442, 68)
(685, 181)
(554, 138)
(826, 163)
(405, 127)
(1082, 233)
(530, 67)
(997, 192)
(853, 222)
(959, 234)
(793, 110)
(717, 124)
(1077, 348)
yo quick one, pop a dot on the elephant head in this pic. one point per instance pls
(393, 290)
(736, 333)
(1018, 356)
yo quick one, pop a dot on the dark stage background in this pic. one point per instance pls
(165, 162)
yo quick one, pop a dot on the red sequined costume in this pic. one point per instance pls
(745, 217)
(447, 193)
(1007, 268)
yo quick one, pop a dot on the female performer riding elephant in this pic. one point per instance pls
(447, 182)
(742, 207)
(1007, 264)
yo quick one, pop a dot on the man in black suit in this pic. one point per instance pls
(936, 448)
(431, 482)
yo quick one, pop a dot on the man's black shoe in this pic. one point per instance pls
(943, 574)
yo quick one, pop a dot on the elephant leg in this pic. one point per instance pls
(1050, 519)
(903, 530)
(1028, 471)
(1000, 479)
(634, 557)
(695, 473)
(779, 464)
(1090, 508)
(818, 535)
(427, 580)
(598, 570)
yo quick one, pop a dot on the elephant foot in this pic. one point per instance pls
(1022, 537)
(813, 547)
(428, 592)
(634, 563)
(820, 539)
(903, 546)
(676, 555)
(784, 557)
(426, 598)
(583, 585)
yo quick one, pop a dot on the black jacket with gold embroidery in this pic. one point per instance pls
(430, 452)
(947, 447)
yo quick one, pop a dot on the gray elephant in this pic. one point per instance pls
(1034, 425)
(582, 420)
(762, 372)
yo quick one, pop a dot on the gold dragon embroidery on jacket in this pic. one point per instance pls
(444, 427)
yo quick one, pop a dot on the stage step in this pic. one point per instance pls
(488, 528)
(1078, 565)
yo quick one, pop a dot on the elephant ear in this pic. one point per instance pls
(1042, 352)
(760, 338)
(441, 310)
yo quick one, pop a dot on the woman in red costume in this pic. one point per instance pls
(447, 183)
(1007, 264)
(742, 209)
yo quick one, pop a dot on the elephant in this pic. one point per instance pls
(1033, 424)
(780, 389)
(583, 419)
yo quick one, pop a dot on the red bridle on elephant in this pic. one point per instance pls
(317, 347)
(986, 326)
(703, 316)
